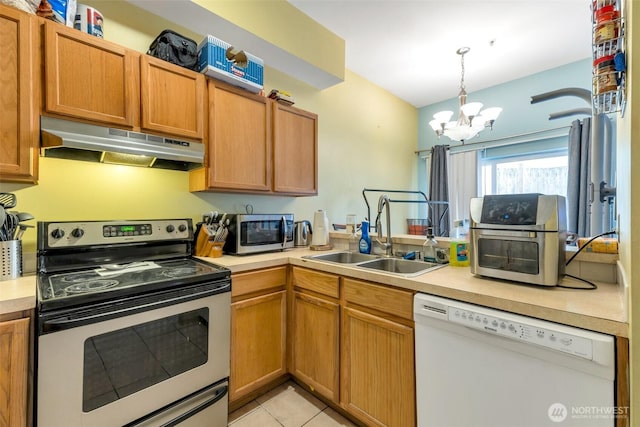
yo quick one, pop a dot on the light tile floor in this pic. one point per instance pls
(288, 405)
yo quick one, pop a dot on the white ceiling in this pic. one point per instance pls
(409, 47)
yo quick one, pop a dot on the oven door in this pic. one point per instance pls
(111, 367)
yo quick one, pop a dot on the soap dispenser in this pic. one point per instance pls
(429, 247)
(365, 239)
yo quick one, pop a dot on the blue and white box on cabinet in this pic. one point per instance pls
(213, 61)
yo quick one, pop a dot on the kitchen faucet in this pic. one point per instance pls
(383, 201)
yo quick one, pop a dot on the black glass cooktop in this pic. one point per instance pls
(114, 280)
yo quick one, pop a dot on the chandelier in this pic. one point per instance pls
(470, 119)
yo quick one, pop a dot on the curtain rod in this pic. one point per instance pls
(506, 140)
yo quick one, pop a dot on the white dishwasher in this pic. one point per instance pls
(480, 367)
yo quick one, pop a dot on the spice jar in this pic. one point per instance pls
(606, 31)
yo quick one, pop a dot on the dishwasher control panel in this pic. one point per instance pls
(533, 334)
(569, 340)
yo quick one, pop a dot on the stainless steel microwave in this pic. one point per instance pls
(255, 233)
(519, 237)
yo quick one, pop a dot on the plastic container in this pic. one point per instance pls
(365, 239)
(459, 253)
(429, 248)
(417, 227)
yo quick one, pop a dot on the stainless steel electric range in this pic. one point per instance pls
(132, 330)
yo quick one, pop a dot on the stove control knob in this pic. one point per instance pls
(57, 233)
(170, 228)
(182, 228)
(77, 232)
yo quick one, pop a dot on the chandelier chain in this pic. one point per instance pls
(462, 72)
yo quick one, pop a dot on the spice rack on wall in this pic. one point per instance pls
(609, 64)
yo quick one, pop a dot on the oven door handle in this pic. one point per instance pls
(156, 417)
(135, 306)
(220, 393)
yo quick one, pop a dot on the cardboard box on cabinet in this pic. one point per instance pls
(220, 60)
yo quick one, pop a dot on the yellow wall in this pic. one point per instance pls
(628, 200)
(367, 138)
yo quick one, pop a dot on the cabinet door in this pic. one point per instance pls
(14, 356)
(258, 342)
(377, 381)
(19, 134)
(172, 98)
(239, 140)
(89, 78)
(315, 336)
(295, 151)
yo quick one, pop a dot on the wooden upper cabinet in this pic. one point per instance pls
(172, 98)
(257, 145)
(239, 156)
(19, 130)
(295, 150)
(89, 78)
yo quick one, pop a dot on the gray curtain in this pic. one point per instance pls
(439, 191)
(579, 177)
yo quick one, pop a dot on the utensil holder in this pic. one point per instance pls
(10, 259)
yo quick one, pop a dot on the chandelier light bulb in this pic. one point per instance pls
(443, 116)
(435, 125)
(471, 109)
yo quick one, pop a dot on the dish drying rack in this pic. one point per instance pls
(439, 228)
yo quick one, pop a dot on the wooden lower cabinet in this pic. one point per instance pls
(14, 359)
(349, 341)
(258, 330)
(315, 331)
(316, 343)
(377, 382)
(377, 379)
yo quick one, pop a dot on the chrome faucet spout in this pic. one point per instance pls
(383, 202)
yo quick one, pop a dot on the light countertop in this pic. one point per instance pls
(602, 310)
(17, 294)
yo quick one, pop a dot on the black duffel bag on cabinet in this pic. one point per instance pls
(174, 48)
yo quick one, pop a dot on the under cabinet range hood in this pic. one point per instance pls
(66, 139)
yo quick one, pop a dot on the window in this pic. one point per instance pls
(533, 172)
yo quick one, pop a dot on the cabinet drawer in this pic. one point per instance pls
(323, 283)
(258, 281)
(393, 301)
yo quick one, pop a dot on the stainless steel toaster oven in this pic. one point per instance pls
(519, 237)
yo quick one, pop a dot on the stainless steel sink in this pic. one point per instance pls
(400, 266)
(397, 266)
(343, 257)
